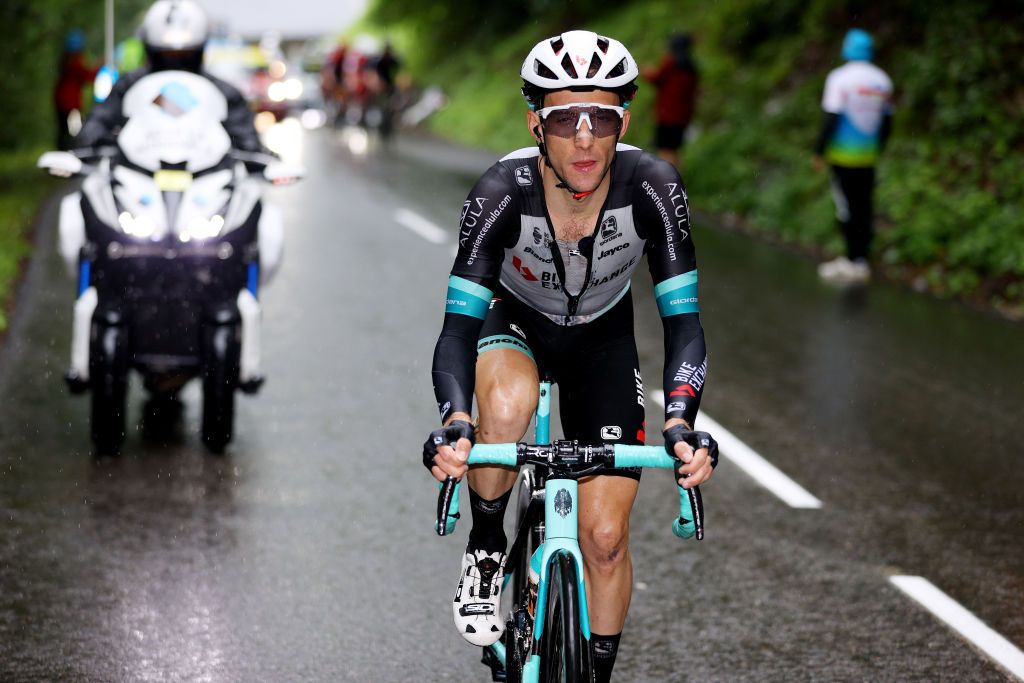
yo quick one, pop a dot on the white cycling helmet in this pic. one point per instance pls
(578, 60)
(175, 25)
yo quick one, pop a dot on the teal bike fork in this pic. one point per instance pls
(561, 522)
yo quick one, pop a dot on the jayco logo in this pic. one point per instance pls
(609, 252)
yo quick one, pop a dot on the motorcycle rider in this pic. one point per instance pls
(174, 34)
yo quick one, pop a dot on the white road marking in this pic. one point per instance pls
(739, 453)
(421, 226)
(998, 648)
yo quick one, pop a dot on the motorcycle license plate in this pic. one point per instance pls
(172, 181)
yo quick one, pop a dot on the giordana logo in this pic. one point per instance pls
(611, 432)
(563, 502)
(523, 176)
(609, 227)
(518, 330)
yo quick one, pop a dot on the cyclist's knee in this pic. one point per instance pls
(506, 409)
(605, 546)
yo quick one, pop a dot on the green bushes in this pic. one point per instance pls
(950, 197)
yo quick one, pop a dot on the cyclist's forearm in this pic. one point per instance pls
(685, 367)
(454, 368)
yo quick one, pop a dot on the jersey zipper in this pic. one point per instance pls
(585, 249)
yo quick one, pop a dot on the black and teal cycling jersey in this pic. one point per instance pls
(506, 237)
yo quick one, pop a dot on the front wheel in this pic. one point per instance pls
(565, 654)
(108, 369)
(222, 350)
(531, 538)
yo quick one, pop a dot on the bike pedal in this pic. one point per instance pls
(252, 385)
(76, 384)
(497, 668)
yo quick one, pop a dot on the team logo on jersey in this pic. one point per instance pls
(523, 176)
(538, 236)
(563, 503)
(611, 432)
(609, 227)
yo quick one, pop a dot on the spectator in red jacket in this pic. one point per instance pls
(75, 74)
(676, 81)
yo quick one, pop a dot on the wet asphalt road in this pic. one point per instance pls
(306, 552)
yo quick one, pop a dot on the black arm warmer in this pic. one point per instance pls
(829, 123)
(454, 369)
(484, 230)
(884, 131)
(686, 365)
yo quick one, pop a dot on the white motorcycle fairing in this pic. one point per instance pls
(173, 120)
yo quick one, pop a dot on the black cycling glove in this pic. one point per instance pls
(458, 429)
(696, 440)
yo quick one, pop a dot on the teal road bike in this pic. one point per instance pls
(547, 631)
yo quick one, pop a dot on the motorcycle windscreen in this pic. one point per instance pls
(174, 118)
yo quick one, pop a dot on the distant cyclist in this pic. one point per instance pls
(858, 117)
(549, 239)
(174, 34)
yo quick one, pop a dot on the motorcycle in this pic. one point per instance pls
(169, 241)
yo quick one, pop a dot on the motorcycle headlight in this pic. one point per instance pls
(201, 228)
(137, 226)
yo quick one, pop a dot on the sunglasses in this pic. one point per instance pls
(565, 120)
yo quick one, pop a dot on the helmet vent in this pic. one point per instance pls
(619, 70)
(602, 44)
(557, 44)
(568, 66)
(543, 71)
(595, 66)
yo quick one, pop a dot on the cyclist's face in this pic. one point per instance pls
(583, 158)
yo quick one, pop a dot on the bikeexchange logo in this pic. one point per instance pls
(563, 503)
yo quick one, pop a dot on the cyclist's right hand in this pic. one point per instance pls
(446, 450)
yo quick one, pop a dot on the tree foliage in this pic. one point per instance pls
(31, 42)
(950, 199)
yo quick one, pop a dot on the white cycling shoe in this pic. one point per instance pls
(476, 606)
(844, 271)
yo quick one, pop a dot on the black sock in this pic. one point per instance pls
(488, 533)
(604, 649)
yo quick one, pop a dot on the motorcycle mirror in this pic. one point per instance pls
(63, 164)
(280, 173)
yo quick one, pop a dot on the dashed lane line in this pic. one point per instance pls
(958, 618)
(421, 226)
(748, 460)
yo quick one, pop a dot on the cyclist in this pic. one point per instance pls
(857, 106)
(549, 238)
(174, 34)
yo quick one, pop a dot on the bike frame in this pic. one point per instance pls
(561, 522)
(561, 537)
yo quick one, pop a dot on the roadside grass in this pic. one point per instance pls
(22, 189)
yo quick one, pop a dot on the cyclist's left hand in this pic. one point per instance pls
(697, 465)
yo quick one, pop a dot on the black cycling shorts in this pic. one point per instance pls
(601, 393)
